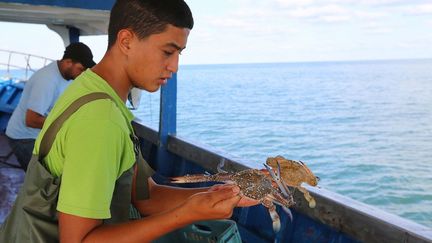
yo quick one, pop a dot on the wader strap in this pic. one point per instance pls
(51, 132)
(144, 171)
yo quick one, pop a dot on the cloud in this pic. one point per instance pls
(203, 35)
(370, 14)
(421, 9)
(293, 25)
(326, 13)
(376, 28)
(229, 23)
(294, 3)
(377, 2)
(413, 44)
(312, 12)
(253, 14)
(297, 3)
(250, 29)
(334, 18)
(347, 3)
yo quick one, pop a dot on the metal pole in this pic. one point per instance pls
(74, 34)
(167, 125)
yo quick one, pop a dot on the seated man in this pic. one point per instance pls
(40, 93)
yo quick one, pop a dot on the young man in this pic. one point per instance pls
(40, 93)
(93, 149)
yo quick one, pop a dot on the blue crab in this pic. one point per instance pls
(254, 184)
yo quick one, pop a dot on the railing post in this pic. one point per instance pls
(167, 125)
(74, 34)
(69, 34)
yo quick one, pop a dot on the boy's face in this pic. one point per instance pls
(152, 60)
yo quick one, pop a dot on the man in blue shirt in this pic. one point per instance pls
(39, 95)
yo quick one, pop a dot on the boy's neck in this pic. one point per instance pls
(111, 70)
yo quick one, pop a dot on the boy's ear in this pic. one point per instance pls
(124, 38)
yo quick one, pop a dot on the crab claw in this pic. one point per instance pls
(284, 185)
(278, 180)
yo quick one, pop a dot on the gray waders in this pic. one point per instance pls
(33, 217)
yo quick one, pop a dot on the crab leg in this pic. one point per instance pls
(221, 165)
(220, 177)
(308, 197)
(287, 211)
(284, 203)
(273, 214)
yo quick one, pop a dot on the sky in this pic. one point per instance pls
(257, 31)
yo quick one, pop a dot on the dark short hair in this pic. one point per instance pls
(147, 17)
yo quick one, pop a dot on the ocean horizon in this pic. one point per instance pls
(307, 62)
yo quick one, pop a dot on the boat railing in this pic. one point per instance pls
(363, 222)
(19, 66)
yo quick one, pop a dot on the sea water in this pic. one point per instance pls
(365, 128)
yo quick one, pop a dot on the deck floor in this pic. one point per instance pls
(11, 178)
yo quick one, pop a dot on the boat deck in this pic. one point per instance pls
(11, 177)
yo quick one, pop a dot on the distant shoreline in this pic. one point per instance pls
(312, 62)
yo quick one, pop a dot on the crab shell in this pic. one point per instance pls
(293, 172)
(253, 184)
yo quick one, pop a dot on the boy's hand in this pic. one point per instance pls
(244, 201)
(213, 204)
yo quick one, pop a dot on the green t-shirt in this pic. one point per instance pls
(92, 149)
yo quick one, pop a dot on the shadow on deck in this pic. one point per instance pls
(11, 178)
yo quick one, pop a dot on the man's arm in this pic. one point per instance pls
(201, 206)
(34, 119)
